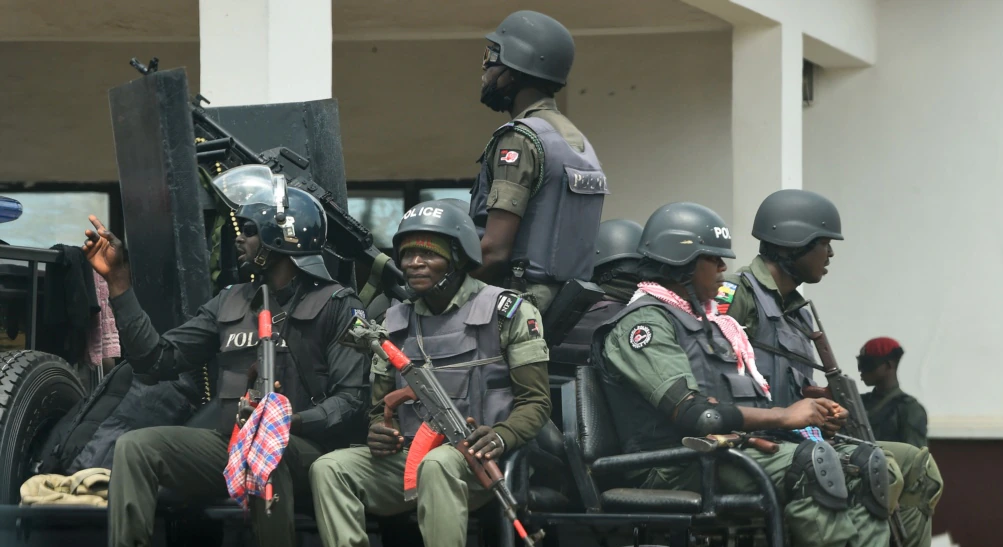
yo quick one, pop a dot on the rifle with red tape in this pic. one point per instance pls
(443, 422)
(265, 381)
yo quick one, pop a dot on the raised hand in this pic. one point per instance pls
(106, 254)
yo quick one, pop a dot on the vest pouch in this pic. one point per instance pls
(744, 390)
(795, 342)
(455, 347)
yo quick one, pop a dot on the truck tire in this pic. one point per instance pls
(36, 390)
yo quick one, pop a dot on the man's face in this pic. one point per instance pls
(708, 276)
(248, 241)
(812, 266)
(423, 268)
(872, 370)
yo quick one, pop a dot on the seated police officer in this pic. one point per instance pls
(326, 383)
(487, 348)
(614, 270)
(796, 229)
(671, 368)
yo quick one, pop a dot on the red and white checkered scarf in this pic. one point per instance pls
(258, 448)
(728, 325)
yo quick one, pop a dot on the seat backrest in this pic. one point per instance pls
(596, 431)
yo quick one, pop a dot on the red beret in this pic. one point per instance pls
(880, 347)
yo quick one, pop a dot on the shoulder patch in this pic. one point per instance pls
(725, 294)
(508, 157)
(640, 336)
(508, 304)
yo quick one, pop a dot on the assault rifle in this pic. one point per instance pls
(843, 390)
(265, 382)
(348, 237)
(443, 421)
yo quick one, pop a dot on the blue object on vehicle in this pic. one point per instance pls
(10, 209)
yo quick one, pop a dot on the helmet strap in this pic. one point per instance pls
(786, 260)
(258, 265)
(698, 310)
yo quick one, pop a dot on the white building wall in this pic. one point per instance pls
(910, 152)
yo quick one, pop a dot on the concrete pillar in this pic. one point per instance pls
(766, 122)
(265, 51)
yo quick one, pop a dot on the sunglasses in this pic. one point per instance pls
(491, 56)
(867, 364)
(249, 229)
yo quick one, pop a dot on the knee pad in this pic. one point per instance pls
(923, 485)
(816, 472)
(872, 491)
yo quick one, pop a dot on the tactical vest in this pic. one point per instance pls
(556, 239)
(238, 345)
(775, 336)
(639, 424)
(576, 348)
(464, 347)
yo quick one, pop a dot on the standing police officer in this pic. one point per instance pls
(539, 195)
(672, 368)
(326, 383)
(487, 349)
(795, 229)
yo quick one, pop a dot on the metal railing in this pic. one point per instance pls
(33, 257)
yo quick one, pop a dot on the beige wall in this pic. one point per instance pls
(657, 108)
(909, 150)
(54, 118)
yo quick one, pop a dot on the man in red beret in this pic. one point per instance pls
(894, 415)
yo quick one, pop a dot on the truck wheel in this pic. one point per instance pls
(36, 390)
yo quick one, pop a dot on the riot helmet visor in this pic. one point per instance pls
(251, 184)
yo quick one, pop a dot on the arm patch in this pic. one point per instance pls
(725, 295)
(508, 305)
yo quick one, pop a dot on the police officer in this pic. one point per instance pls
(487, 347)
(894, 415)
(614, 270)
(326, 383)
(796, 229)
(672, 368)
(538, 198)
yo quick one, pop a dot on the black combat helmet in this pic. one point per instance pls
(677, 233)
(289, 221)
(618, 239)
(535, 44)
(795, 218)
(443, 217)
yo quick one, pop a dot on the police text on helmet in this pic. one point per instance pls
(433, 212)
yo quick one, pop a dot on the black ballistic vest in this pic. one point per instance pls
(777, 330)
(556, 238)
(464, 347)
(639, 424)
(238, 344)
